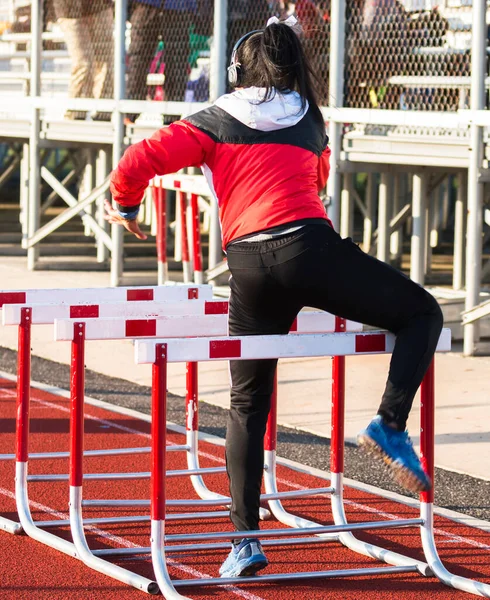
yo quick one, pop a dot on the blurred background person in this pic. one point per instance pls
(88, 27)
(154, 21)
(378, 47)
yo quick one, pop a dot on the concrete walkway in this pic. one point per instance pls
(463, 384)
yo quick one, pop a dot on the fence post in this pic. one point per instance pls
(419, 221)
(475, 188)
(217, 89)
(385, 196)
(34, 212)
(460, 231)
(336, 98)
(118, 123)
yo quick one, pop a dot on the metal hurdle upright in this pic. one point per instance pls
(27, 307)
(190, 191)
(161, 352)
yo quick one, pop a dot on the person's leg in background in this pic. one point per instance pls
(146, 29)
(78, 40)
(102, 27)
(176, 40)
(257, 306)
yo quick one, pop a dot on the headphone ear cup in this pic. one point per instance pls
(233, 74)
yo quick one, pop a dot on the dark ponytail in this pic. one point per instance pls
(275, 60)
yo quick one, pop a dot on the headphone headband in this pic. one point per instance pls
(234, 68)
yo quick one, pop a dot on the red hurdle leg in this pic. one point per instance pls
(158, 470)
(23, 386)
(77, 396)
(427, 434)
(196, 240)
(338, 409)
(270, 479)
(348, 539)
(427, 439)
(186, 265)
(160, 200)
(22, 441)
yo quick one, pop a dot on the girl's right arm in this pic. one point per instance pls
(167, 151)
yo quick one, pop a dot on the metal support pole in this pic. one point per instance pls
(432, 207)
(347, 207)
(217, 88)
(101, 172)
(371, 194)
(24, 191)
(88, 183)
(475, 188)
(383, 247)
(335, 92)
(396, 238)
(419, 219)
(460, 230)
(34, 219)
(218, 55)
(118, 122)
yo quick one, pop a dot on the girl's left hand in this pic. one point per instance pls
(115, 219)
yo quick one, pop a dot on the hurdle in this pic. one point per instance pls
(73, 302)
(161, 352)
(79, 331)
(190, 191)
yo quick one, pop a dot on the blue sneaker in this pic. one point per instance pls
(244, 559)
(396, 449)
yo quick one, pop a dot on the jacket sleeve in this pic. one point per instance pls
(167, 151)
(323, 168)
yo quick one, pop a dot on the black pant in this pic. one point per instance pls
(271, 282)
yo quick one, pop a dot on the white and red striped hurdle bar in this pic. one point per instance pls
(100, 295)
(188, 188)
(86, 302)
(213, 320)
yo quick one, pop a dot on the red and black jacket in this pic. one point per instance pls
(260, 178)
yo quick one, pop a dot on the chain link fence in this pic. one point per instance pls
(407, 55)
(399, 56)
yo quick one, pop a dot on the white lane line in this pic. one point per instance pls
(128, 544)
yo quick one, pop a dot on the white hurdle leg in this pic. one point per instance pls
(192, 438)
(77, 393)
(427, 398)
(347, 538)
(158, 468)
(22, 441)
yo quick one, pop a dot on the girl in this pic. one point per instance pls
(264, 150)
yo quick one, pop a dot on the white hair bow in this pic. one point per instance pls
(290, 21)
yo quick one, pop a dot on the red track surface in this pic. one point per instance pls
(29, 569)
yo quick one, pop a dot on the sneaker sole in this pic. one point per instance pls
(400, 474)
(248, 570)
(252, 569)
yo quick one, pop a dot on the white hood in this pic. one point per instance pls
(245, 105)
